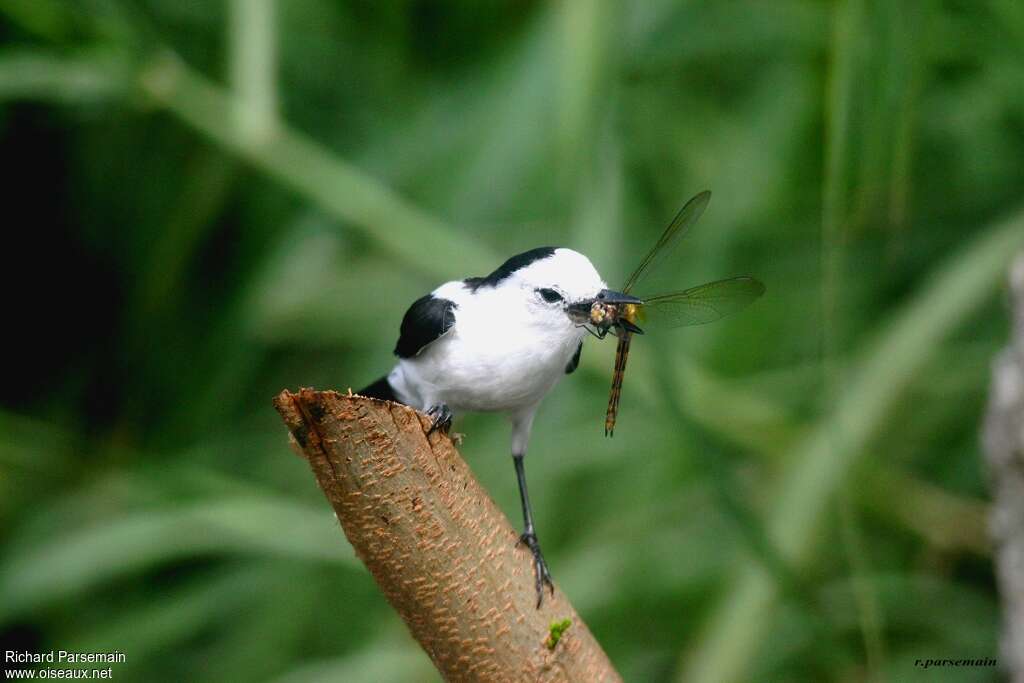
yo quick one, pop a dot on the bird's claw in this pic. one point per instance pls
(441, 416)
(540, 567)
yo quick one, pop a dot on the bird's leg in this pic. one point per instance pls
(529, 536)
(442, 418)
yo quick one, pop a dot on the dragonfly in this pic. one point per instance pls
(620, 313)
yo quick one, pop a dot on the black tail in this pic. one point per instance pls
(380, 389)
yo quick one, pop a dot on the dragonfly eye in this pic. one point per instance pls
(550, 295)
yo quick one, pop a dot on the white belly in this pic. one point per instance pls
(477, 368)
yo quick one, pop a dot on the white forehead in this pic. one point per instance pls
(567, 271)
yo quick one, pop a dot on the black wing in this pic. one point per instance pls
(686, 217)
(702, 304)
(427, 319)
(574, 362)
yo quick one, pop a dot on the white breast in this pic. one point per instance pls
(498, 356)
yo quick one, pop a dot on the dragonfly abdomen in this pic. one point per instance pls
(621, 355)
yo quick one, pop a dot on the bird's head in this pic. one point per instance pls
(562, 287)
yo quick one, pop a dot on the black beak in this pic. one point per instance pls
(580, 311)
(609, 296)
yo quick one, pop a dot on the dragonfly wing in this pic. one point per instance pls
(679, 226)
(701, 304)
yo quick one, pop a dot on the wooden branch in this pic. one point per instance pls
(1003, 436)
(442, 552)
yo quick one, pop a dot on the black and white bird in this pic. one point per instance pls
(498, 343)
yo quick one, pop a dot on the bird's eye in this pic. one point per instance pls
(550, 295)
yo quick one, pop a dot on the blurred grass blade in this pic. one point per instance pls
(33, 445)
(49, 19)
(870, 614)
(946, 520)
(173, 616)
(588, 42)
(380, 662)
(208, 185)
(343, 191)
(82, 79)
(252, 36)
(81, 560)
(886, 366)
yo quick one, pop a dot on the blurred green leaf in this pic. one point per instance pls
(85, 559)
(256, 206)
(887, 365)
(299, 163)
(41, 75)
(383, 662)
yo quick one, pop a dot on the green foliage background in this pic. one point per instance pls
(235, 197)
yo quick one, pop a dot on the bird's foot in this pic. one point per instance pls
(540, 567)
(441, 416)
(456, 437)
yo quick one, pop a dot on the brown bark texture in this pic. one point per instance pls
(443, 554)
(1004, 452)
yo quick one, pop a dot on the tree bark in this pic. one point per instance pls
(1004, 451)
(443, 554)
